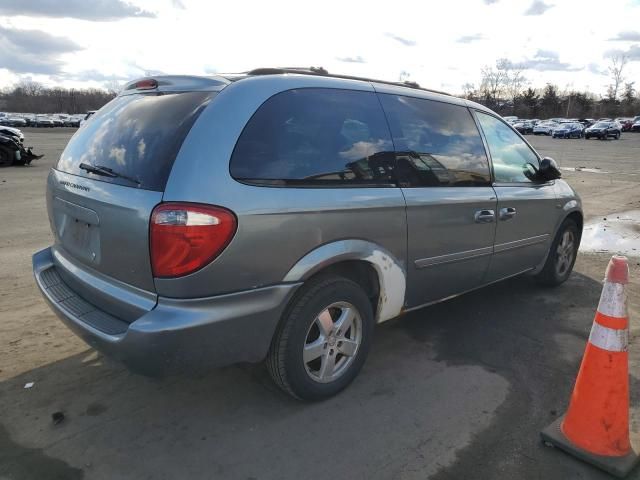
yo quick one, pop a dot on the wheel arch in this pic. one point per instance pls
(571, 210)
(379, 272)
(576, 216)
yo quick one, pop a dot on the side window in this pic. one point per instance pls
(316, 137)
(509, 154)
(438, 143)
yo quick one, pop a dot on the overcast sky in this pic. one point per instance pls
(438, 44)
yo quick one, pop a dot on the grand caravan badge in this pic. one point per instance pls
(75, 185)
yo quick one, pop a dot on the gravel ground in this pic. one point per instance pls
(457, 390)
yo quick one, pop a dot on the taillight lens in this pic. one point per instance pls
(185, 237)
(146, 84)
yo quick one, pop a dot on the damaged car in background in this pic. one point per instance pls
(12, 149)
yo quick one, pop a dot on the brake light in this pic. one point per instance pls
(146, 84)
(185, 237)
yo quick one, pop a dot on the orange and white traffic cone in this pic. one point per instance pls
(596, 425)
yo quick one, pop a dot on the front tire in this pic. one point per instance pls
(562, 255)
(323, 339)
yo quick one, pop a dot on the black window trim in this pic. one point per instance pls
(313, 184)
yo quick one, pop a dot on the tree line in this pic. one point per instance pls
(32, 97)
(504, 88)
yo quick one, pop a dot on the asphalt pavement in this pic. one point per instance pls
(458, 390)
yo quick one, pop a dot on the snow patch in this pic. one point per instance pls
(583, 169)
(617, 233)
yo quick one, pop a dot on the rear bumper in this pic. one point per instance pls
(177, 335)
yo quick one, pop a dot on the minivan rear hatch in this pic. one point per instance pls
(109, 178)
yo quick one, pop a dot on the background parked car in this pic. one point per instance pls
(42, 121)
(603, 130)
(523, 126)
(625, 123)
(86, 117)
(73, 120)
(13, 121)
(568, 130)
(545, 128)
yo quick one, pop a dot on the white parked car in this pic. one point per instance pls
(544, 128)
(87, 116)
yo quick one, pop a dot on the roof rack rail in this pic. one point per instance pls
(322, 72)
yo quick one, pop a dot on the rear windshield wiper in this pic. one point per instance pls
(106, 172)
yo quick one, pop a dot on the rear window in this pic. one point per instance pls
(136, 136)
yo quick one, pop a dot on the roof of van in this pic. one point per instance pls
(188, 81)
(221, 80)
(321, 72)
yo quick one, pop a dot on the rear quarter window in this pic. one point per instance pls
(136, 136)
(316, 137)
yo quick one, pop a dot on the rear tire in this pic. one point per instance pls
(311, 356)
(562, 255)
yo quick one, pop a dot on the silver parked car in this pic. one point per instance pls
(545, 128)
(281, 214)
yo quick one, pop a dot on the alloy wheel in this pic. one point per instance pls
(565, 253)
(332, 342)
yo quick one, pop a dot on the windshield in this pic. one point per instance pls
(137, 136)
(601, 125)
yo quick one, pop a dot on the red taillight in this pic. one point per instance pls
(146, 84)
(184, 237)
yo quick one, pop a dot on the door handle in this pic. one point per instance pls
(484, 216)
(507, 213)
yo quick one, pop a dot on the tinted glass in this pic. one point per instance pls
(137, 136)
(315, 137)
(509, 153)
(438, 144)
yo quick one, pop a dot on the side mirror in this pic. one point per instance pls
(547, 171)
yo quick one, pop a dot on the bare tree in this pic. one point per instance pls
(32, 97)
(29, 87)
(616, 68)
(505, 81)
(469, 90)
(492, 84)
(514, 80)
(404, 76)
(628, 98)
(113, 86)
